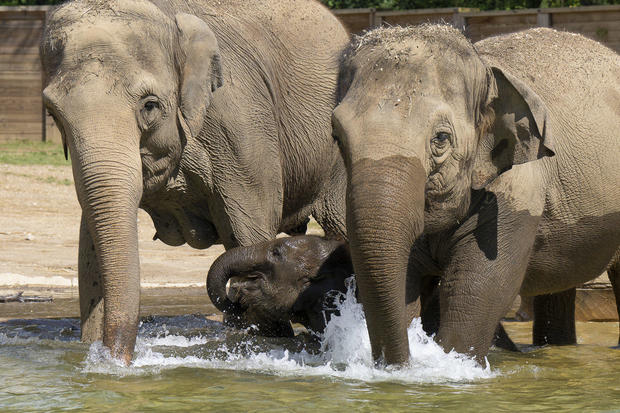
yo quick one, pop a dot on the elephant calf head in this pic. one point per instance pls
(270, 284)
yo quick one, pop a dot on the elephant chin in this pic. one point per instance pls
(183, 227)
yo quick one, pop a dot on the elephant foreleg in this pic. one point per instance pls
(487, 266)
(614, 276)
(554, 319)
(90, 288)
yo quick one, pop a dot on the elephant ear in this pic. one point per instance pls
(519, 133)
(200, 70)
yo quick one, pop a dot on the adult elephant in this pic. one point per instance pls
(493, 166)
(214, 117)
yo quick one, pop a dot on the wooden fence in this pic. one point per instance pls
(21, 111)
(601, 23)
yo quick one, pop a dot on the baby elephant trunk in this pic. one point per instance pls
(221, 278)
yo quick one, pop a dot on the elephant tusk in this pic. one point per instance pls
(227, 287)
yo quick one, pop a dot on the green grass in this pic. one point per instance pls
(32, 153)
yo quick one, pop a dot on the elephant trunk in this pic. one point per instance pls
(236, 261)
(108, 176)
(385, 214)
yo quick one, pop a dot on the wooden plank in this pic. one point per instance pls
(583, 9)
(5, 137)
(614, 46)
(561, 18)
(494, 30)
(29, 128)
(21, 24)
(590, 27)
(29, 114)
(8, 90)
(30, 9)
(19, 49)
(34, 75)
(482, 32)
(413, 19)
(342, 12)
(445, 10)
(543, 20)
(503, 20)
(21, 37)
(19, 58)
(500, 13)
(600, 35)
(355, 23)
(22, 16)
(29, 66)
(14, 104)
(23, 12)
(20, 117)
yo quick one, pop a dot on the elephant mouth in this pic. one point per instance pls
(179, 226)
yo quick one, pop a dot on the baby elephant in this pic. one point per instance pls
(270, 284)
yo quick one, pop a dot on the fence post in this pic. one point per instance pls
(373, 19)
(458, 20)
(543, 19)
(43, 110)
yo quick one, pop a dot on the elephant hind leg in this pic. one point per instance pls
(554, 319)
(614, 276)
(502, 340)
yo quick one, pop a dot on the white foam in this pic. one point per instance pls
(345, 353)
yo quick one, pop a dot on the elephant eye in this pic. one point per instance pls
(440, 143)
(151, 105)
(441, 138)
(276, 252)
(150, 110)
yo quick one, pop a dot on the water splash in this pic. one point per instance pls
(344, 352)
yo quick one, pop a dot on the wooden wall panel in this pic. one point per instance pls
(480, 27)
(418, 18)
(356, 20)
(21, 113)
(603, 27)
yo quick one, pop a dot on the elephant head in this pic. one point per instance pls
(127, 86)
(272, 283)
(422, 122)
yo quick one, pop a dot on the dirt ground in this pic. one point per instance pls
(39, 231)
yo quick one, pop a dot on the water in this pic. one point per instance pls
(190, 363)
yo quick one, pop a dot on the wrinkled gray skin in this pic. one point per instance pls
(272, 283)
(214, 117)
(493, 167)
(302, 280)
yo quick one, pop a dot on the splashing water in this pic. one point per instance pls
(344, 352)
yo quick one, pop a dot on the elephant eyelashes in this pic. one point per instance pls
(150, 112)
(440, 143)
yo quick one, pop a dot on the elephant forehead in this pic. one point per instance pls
(115, 43)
